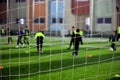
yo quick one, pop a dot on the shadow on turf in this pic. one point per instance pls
(23, 54)
(7, 47)
(33, 52)
(114, 78)
(45, 66)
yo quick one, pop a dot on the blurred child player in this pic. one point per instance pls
(20, 35)
(77, 39)
(26, 36)
(112, 39)
(39, 36)
(9, 33)
(72, 37)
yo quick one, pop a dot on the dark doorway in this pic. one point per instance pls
(118, 11)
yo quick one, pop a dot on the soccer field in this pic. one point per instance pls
(57, 62)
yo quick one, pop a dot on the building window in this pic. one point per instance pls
(17, 20)
(108, 20)
(39, 20)
(53, 20)
(36, 20)
(1, 20)
(20, 0)
(81, 0)
(3, 1)
(100, 20)
(42, 20)
(60, 20)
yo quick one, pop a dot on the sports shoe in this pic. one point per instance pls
(17, 46)
(40, 51)
(23, 45)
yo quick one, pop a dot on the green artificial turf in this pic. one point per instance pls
(57, 62)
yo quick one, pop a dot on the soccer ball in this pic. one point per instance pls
(1, 67)
(89, 55)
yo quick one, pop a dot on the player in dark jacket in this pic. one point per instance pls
(26, 36)
(72, 37)
(112, 39)
(77, 40)
(20, 35)
(9, 33)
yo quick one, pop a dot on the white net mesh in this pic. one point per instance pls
(94, 61)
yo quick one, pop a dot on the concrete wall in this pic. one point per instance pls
(102, 9)
(3, 13)
(72, 19)
(37, 10)
(17, 10)
(57, 12)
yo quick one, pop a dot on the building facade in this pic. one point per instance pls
(3, 14)
(77, 11)
(118, 11)
(56, 15)
(103, 15)
(37, 14)
(18, 13)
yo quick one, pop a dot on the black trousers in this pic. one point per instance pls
(19, 41)
(118, 36)
(39, 43)
(26, 40)
(81, 41)
(2, 34)
(71, 42)
(113, 46)
(10, 39)
(76, 48)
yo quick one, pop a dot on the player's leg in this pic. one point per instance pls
(18, 41)
(24, 40)
(71, 43)
(37, 43)
(11, 39)
(21, 41)
(8, 40)
(81, 41)
(27, 40)
(73, 53)
(113, 46)
(118, 36)
(77, 47)
(41, 45)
